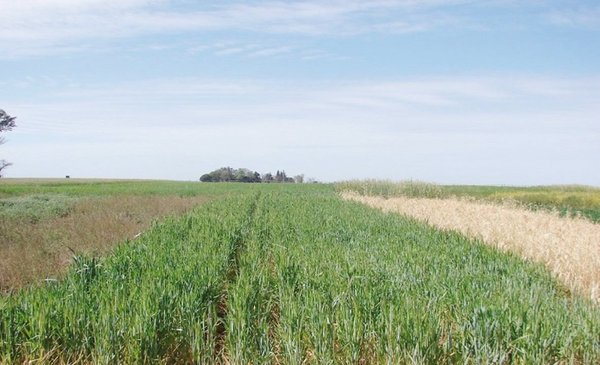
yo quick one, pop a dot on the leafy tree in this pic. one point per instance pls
(206, 178)
(225, 174)
(280, 176)
(268, 177)
(7, 123)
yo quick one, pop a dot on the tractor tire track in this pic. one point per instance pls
(236, 248)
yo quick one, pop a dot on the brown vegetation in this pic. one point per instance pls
(35, 250)
(569, 247)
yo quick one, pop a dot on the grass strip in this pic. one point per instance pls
(565, 200)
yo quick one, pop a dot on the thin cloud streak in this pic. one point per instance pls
(190, 101)
(30, 20)
(33, 27)
(580, 17)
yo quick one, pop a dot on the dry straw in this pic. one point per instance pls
(569, 247)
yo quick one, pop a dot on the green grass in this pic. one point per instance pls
(35, 207)
(568, 200)
(78, 188)
(290, 274)
(75, 187)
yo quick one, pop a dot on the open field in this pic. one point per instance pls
(567, 200)
(292, 274)
(100, 187)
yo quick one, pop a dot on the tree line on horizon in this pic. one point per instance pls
(228, 174)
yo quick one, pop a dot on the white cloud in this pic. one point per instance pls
(578, 16)
(255, 50)
(271, 51)
(189, 100)
(408, 128)
(38, 27)
(30, 27)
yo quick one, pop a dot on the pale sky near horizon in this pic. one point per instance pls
(448, 91)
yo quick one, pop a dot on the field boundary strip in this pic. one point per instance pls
(569, 247)
(39, 233)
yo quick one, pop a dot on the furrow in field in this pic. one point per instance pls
(237, 246)
(254, 307)
(569, 247)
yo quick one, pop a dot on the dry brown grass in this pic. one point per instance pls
(569, 247)
(31, 251)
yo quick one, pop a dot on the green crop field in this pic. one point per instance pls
(291, 274)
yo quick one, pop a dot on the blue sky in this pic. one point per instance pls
(450, 91)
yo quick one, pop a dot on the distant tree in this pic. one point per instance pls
(240, 175)
(225, 174)
(284, 178)
(280, 176)
(7, 123)
(4, 164)
(247, 176)
(268, 177)
(206, 178)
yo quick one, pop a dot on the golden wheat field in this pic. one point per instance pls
(569, 247)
